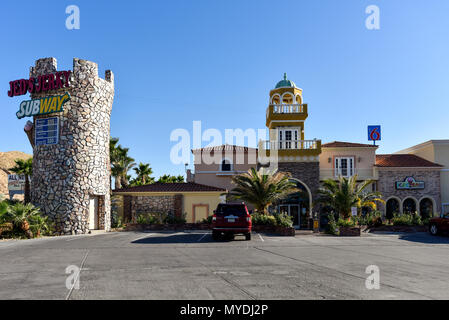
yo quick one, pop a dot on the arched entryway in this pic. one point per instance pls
(392, 207)
(426, 208)
(409, 206)
(298, 205)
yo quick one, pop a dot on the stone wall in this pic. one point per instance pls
(171, 204)
(66, 175)
(387, 185)
(307, 172)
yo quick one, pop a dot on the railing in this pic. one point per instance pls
(286, 108)
(291, 145)
(347, 172)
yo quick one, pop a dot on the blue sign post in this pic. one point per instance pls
(46, 131)
(374, 134)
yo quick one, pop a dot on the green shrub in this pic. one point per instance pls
(416, 220)
(172, 219)
(262, 219)
(402, 220)
(332, 225)
(371, 219)
(20, 220)
(207, 220)
(146, 219)
(116, 220)
(283, 220)
(346, 223)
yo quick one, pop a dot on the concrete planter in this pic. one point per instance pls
(350, 231)
(282, 231)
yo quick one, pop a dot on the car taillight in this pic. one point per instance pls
(214, 218)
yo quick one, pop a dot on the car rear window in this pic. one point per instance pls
(236, 210)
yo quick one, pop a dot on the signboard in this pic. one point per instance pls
(46, 131)
(354, 211)
(374, 133)
(410, 184)
(42, 106)
(16, 182)
(43, 83)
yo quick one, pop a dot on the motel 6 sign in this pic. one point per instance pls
(374, 133)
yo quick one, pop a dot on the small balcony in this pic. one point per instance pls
(287, 112)
(291, 147)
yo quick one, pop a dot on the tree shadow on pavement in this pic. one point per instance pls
(179, 238)
(424, 237)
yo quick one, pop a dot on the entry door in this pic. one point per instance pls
(201, 212)
(93, 213)
(294, 213)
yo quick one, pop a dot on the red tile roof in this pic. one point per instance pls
(341, 144)
(172, 187)
(403, 160)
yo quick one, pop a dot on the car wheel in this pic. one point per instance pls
(433, 229)
(215, 236)
(248, 236)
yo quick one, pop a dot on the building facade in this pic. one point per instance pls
(435, 151)
(408, 183)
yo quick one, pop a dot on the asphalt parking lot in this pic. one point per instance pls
(190, 265)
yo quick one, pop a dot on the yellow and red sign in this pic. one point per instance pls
(42, 106)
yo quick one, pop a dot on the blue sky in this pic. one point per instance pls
(215, 61)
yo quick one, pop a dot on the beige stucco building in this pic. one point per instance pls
(215, 166)
(192, 200)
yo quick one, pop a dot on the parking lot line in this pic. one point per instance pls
(260, 237)
(202, 237)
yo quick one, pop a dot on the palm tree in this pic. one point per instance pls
(166, 178)
(20, 215)
(144, 172)
(24, 167)
(121, 163)
(346, 193)
(262, 188)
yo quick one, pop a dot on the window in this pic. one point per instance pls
(226, 165)
(288, 139)
(344, 166)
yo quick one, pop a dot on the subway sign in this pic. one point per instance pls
(42, 106)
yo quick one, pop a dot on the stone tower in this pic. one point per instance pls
(71, 179)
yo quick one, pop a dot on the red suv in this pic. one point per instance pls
(231, 219)
(439, 225)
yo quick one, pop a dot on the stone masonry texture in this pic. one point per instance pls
(387, 185)
(306, 172)
(171, 204)
(67, 174)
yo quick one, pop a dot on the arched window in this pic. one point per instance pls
(409, 206)
(426, 208)
(226, 165)
(393, 207)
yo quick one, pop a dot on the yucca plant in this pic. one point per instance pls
(40, 225)
(5, 225)
(20, 215)
(262, 188)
